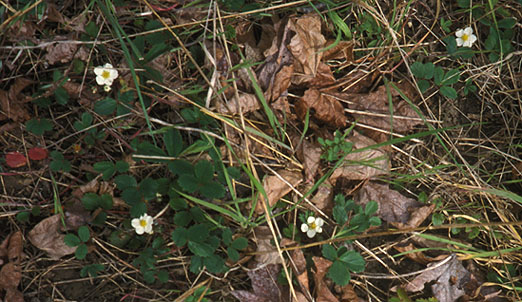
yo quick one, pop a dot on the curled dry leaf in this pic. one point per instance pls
(362, 165)
(417, 256)
(342, 51)
(264, 286)
(326, 109)
(394, 207)
(266, 253)
(322, 293)
(10, 275)
(348, 294)
(15, 159)
(310, 155)
(324, 195)
(450, 278)
(61, 52)
(300, 269)
(275, 188)
(247, 103)
(14, 250)
(46, 236)
(280, 84)
(10, 104)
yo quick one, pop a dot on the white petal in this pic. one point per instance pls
(460, 42)
(472, 39)
(319, 222)
(319, 229)
(98, 71)
(459, 33)
(149, 219)
(304, 227)
(310, 233)
(113, 74)
(107, 65)
(100, 80)
(140, 230)
(135, 223)
(468, 31)
(310, 219)
(148, 229)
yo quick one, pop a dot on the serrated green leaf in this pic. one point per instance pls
(353, 260)
(198, 232)
(212, 190)
(163, 276)
(233, 254)
(507, 23)
(329, 252)
(105, 106)
(201, 249)
(149, 188)
(81, 251)
(204, 171)
(182, 218)
(131, 196)
(339, 214)
(178, 204)
(339, 273)
(106, 202)
(90, 201)
(226, 235)
(173, 142)
(106, 168)
(240, 243)
(438, 75)
(188, 183)
(196, 263)
(146, 148)
(71, 240)
(448, 92)
(371, 208)
(451, 77)
(180, 236)
(61, 96)
(38, 126)
(423, 85)
(121, 166)
(138, 209)
(83, 233)
(181, 166)
(429, 70)
(125, 181)
(214, 264)
(417, 68)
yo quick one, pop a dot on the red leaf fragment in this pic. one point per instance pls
(37, 153)
(15, 159)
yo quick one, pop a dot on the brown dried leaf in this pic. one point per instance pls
(275, 188)
(357, 81)
(327, 109)
(417, 256)
(280, 84)
(10, 101)
(264, 286)
(377, 102)
(14, 251)
(343, 50)
(47, 237)
(247, 101)
(364, 164)
(13, 295)
(393, 206)
(450, 279)
(266, 253)
(305, 46)
(10, 275)
(300, 269)
(309, 154)
(349, 295)
(60, 52)
(324, 195)
(322, 293)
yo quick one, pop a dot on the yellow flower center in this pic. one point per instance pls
(464, 37)
(106, 74)
(312, 225)
(143, 222)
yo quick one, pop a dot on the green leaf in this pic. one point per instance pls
(240, 243)
(375, 221)
(173, 142)
(354, 261)
(180, 236)
(226, 235)
(214, 264)
(213, 190)
(81, 251)
(163, 276)
(38, 126)
(105, 106)
(188, 183)
(71, 240)
(125, 181)
(61, 96)
(197, 147)
(106, 168)
(417, 69)
(339, 273)
(329, 252)
(204, 171)
(23, 216)
(178, 204)
(138, 209)
(464, 3)
(91, 29)
(233, 254)
(181, 166)
(339, 214)
(429, 70)
(448, 92)
(198, 232)
(100, 219)
(146, 148)
(149, 188)
(507, 23)
(423, 85)
(59, 163)
(182, 218)
(200, 248)
(196, 263)
(438, 76)
(371, 208)
(121, 166)
(437, 219)
(92, 270)
(131, 196)
(84, 233)
(451, 77)
(105, 201)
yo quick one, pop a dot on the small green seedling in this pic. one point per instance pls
(79, 241)
(59, 163)
(337, 148)
(344, 261)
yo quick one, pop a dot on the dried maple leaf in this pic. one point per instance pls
(322, 293)
(450, 279)
(15, 159)
(326, 109)
(46, 236)
(362, 165)
(10, 101)
(394, 207)
(275, 188)
(264, 286)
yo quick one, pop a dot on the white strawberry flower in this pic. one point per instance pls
(143, 224)
(105, 74)
(465, 37)
(312, 226)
